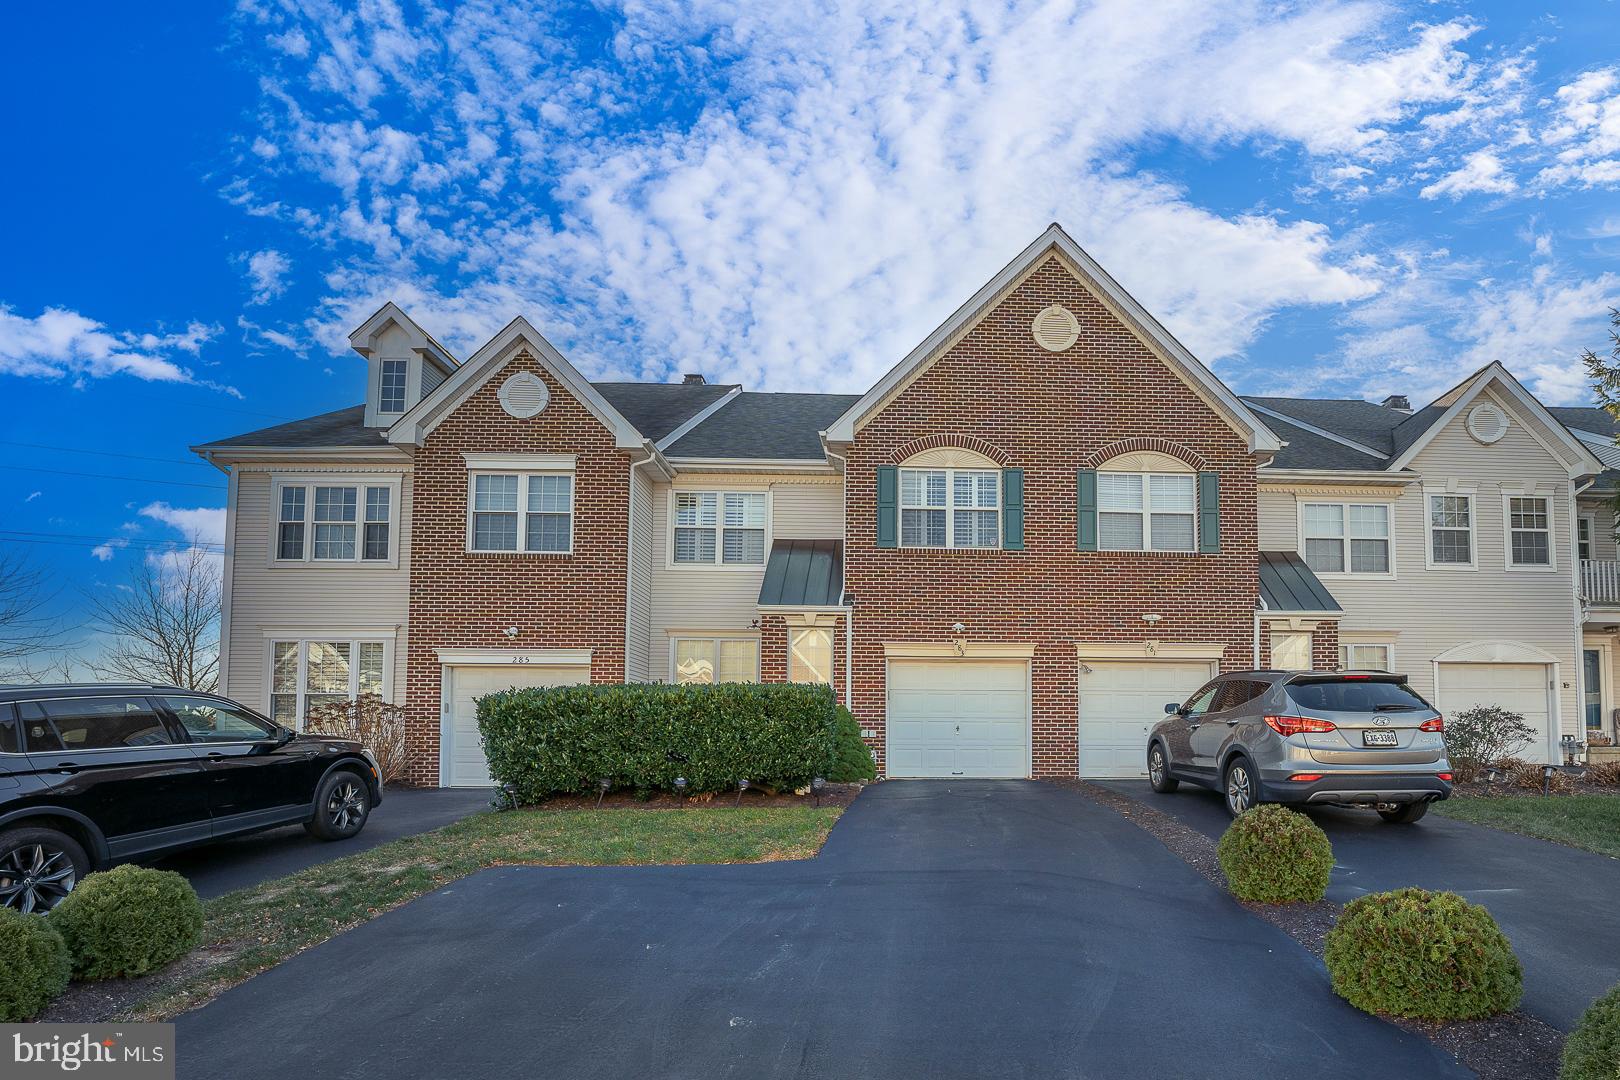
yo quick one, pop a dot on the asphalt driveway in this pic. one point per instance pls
(1554, 903)
(216, 869)
(948, 929)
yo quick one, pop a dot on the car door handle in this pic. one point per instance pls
(1233, 723)
(68, 766)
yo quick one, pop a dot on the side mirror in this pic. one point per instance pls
(1171, 709)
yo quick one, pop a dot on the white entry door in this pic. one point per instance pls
(1520, 688)
(958, 718)
(1120, 701)
(463, 755)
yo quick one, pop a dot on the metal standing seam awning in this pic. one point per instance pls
(1288, 586)
(804, 574)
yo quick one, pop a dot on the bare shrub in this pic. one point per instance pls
(1477, 737)
(371, 721)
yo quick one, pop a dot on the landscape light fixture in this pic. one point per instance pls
(742, 786)
(1546, 779)
(817, 786)
(680, 786)
(602, 786)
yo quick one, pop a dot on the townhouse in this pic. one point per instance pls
(1045, 522)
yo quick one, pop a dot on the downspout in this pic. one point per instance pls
(846, 603)
(630, 555)
(1257, 637)
(1580, 621)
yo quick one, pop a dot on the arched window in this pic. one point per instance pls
(1147, 501)
(950, 498)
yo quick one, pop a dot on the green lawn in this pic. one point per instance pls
(248, 931)
(1584, 821)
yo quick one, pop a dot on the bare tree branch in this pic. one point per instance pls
(27, 634)
(1604, 372)
(163, 625)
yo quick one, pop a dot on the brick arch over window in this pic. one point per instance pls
(1101, 457)
(956, 442)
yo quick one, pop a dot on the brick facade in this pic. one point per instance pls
(1049, 414)
(460, 599)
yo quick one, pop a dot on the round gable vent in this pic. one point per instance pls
(524, 395)
(1056, 328)
(1487, 423)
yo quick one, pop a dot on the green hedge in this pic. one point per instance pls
(128, 921)
(1427, 955)
(565, 739)
(851, 759)
(1593, 1049)
(34, 965)
(1273, 855)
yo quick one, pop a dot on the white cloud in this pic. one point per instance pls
(266, 270)
(204, 525)
(32, 496)
(1480, 172)
(106, 552)
(59, 343)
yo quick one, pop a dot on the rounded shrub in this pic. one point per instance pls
(1592, 1051)
(1427, 955)
(128, 921)
(1274, 855)
(851, 759)
(35, 961)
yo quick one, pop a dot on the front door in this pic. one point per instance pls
(1592, 682)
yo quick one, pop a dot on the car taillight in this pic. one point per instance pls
(1295, 725)
(1437, 724)
(1443, 776)
(1306, 777)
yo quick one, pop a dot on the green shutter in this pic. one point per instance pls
(1086, 510)
(1209, 512)
(888, 506)
(1012, 509)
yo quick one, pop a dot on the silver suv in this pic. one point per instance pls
(1343, 738)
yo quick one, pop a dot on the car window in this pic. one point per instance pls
(9, 741)
(1200, 702)
(1233, 692)
(101, 723)
(1354, 695)
(214, 721)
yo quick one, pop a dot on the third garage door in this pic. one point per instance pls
(1120, 701)
(958, 718)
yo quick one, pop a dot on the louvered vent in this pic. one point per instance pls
(1056, 328)
(1487, 423)
(524, 395)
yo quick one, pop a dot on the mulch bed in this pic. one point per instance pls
(1513, 1046)
(753, 798)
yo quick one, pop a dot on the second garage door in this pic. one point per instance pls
(958, 718)
(1520, 688)
(1120, 701)
(463, 758)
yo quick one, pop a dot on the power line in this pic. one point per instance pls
(216, 549)
(98, 540)
(110, 476)
(106, 453)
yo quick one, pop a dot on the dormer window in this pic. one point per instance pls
(391, 398)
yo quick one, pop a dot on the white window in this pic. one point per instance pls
(391, 398)
(716, 660)
(1357, 656)
(719, 528)
(1346, 538)
(1451, 530)
(1290, 650)
(1529, 520)
(810, 654)
(307, 672)
(334, 522)
(1583, 538)
(1147, 512)
(950, 508)
(531, 512)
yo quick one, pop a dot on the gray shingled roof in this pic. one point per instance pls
(804, 573)
(1287, 584)
(656, 409)
(1598, 421)
(765, 426)
(343, 428)
(1356, 420)
(1307, 450)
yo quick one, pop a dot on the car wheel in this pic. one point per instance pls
(38, 867)
(1240, 787)
(1405, 815)
(1159, 771)
(342, 805)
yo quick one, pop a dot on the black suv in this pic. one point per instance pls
(97, 774)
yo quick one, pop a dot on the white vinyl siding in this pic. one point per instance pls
(950, 508)
(1147, 512)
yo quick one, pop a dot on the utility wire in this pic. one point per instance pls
(98, 540)
(211, 548)
(110, 476)
(107, 453)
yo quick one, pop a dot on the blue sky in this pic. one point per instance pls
(1335, 199)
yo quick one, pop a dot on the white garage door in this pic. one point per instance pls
(1120, 701)
(1520, 688)
(464, 764)
(958, 718)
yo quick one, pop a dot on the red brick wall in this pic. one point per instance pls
(773, 652)
(1049, 414)
(465, 600)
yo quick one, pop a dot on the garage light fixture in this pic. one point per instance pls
(1151, 617)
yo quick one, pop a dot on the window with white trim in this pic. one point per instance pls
(950, 508)
(1362, 656)
(1529, 531)
(318, 522)
(528, 512)
(1451, 530)
(719, 528)
(1346, 538)
(391, 392)
(810, 654)
(1583, 538)
(715, 660)
(1147, 511)
(307, 672)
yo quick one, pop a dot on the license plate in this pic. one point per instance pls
(1379, 738)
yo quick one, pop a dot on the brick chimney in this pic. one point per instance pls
(693, 378)
(1398, 402)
